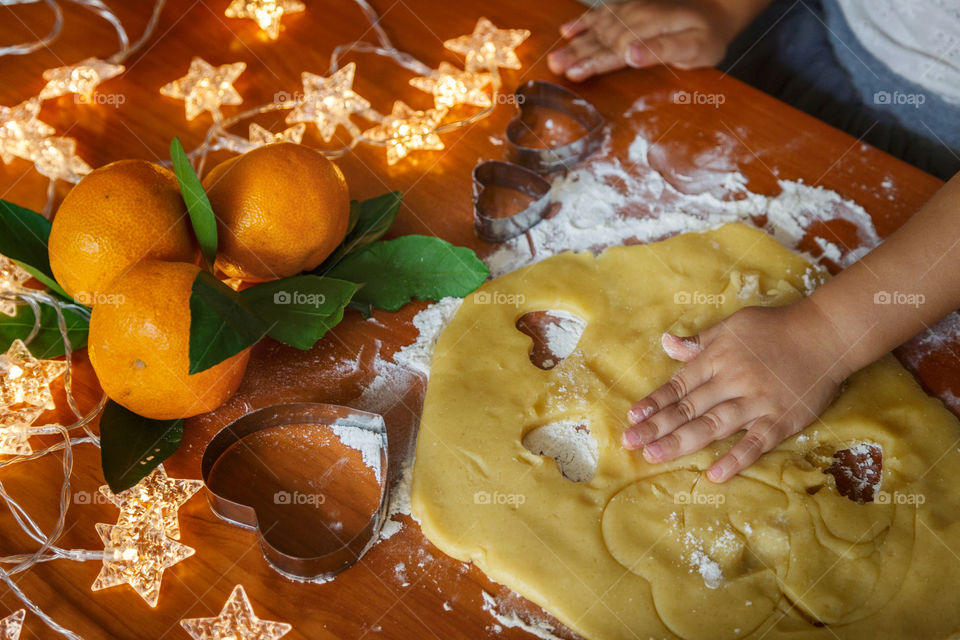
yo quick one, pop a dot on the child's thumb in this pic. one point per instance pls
(682, 349)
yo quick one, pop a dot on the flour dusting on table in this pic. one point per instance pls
(936, 338)
(610, 200)
(399, 502)
(366, 442)
(431, 322)
(539, 629)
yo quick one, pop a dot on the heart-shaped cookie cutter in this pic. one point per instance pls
(315, 568)
(560, 99)
(495, 173)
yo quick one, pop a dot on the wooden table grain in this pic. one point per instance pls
(400, 588)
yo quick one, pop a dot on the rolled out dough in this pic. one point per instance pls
(658, 551)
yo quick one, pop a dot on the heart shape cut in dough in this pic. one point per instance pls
(555, 335)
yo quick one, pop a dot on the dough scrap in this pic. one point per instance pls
(642, 550)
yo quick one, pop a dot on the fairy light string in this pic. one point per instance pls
(330, 102)
(145, 539)
(22, 134)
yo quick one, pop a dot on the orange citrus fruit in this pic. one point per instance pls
(115, 216)
(281, 209)
(139, 345)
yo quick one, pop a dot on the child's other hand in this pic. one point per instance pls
(769, 371)
(642, 33)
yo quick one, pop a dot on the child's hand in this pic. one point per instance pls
(643, 33)
(770, 371)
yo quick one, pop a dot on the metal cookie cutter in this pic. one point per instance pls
(324, 416)
(494, 173)
(560, 99)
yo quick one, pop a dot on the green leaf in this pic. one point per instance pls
(24, 235)
(132, 446)
(221, 323)
(369, 220)
(301, 309)
(198, 205)
(47, 343)
(411, 267)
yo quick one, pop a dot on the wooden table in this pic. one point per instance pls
(371, 599)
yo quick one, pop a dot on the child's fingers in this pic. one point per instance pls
(667, 419)
(581, 23)
(683, 382)
(637, 23)
(715, 424)
(607, 26)
(605, 61)
(761, 437)
(689, 407)
(685, 48)
(577, 50)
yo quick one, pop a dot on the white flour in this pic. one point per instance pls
(562, 336)
(937, 338)
(611, 200)
(943, 333)
(399, 502)
(366, 442)
(862, 472)
(569, 443)
(431, 323)
(541, 630)
(700, 562)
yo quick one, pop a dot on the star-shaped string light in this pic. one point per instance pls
(12, 278)
(22, 135)
(57, 158)
(489, 47)
(451, 86)
(12, 625)
(24, 380)
(235, 622)
(206, 87)
(267, 13)
(81, 78)
(260, 136)
(24, 395)
(21, 130)
(329, 102)
(406, 130)
(15, 430)
(137, 555)
(156, 491)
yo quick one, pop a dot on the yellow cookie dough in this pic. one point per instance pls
(658, 551)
